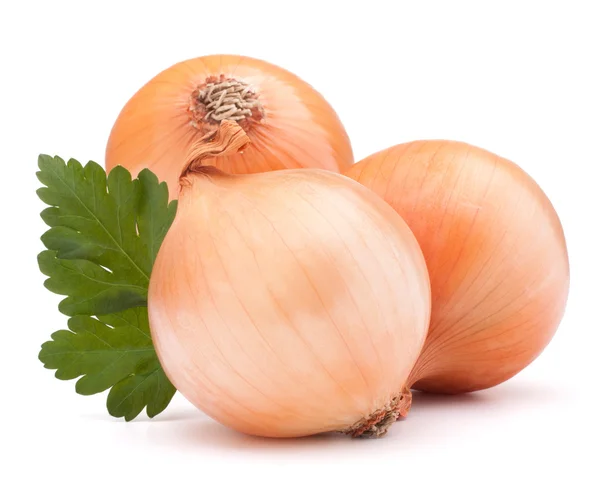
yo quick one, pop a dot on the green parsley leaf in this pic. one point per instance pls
(104, 236)
(113, 351)
(103, 239)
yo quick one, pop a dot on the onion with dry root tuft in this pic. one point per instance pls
(288, 303)
(496, 255)
(289, 124)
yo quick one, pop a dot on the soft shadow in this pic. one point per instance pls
(433, 419)
(179, 415)
(167, 416)
(200, 431)
(514, 393)
(98, 416)
(424, 401)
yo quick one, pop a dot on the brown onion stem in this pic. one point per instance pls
(222, 99)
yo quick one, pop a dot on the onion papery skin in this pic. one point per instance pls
(288, 303)
(495, 252)
(294, 127)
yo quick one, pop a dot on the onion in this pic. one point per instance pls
(289, 124)
(496, 255)
(288, 303)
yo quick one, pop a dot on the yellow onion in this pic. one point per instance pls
(496, 255)
(290, 125)
(288, 303)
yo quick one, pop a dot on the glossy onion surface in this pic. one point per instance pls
(290, 125)
(288, 303)
(496, 255)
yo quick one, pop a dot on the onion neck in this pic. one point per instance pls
(228, 138)
(378, 423)
(223, 109)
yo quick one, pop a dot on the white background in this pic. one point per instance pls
(519, 78)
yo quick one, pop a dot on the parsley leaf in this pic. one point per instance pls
(113, 351)
(105, 232)
(104, 235)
